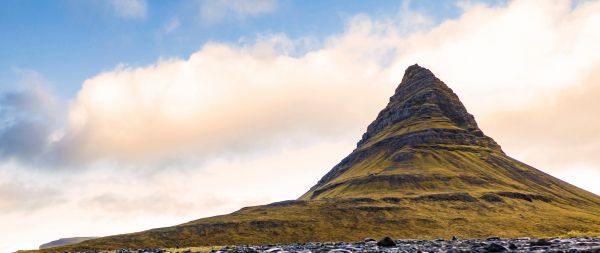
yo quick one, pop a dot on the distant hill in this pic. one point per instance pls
(423, 170)
(65, 241)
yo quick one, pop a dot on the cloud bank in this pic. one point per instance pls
(557, 131)
(221, 99)
(237, 98)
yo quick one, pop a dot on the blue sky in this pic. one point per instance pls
(105, 104)
(69, 41)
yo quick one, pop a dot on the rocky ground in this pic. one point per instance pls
(388, 245)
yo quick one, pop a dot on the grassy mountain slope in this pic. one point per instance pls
(423, 170)
(425, 217)
(65, 241)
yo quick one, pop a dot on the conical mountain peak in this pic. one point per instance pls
(422, 99)
(423, 126)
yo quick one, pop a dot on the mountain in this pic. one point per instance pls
(425, 142)
(65, 241)
(423, 169)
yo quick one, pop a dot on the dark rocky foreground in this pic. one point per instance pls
(493, 244)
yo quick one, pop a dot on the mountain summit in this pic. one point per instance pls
(423, 169)
(425, 142)
(421, 136)
(422, 98)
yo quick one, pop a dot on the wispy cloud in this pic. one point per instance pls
(17, 196)
(129, 9)
(213, 11)
(172, 25)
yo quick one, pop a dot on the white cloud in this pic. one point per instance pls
(221, 100)
(556, 132)
(231, 99)
(213, 11)
(130, 9)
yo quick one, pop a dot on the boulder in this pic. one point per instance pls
(386, 242)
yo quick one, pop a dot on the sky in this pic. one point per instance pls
(120, 116)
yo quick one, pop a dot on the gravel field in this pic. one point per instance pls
(492, 244)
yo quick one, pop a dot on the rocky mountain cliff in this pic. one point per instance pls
(423, 169)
